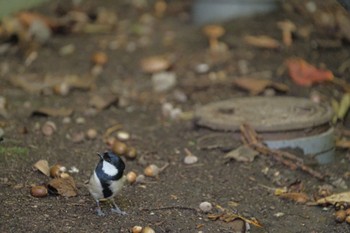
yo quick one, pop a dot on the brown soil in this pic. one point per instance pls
(170, 202)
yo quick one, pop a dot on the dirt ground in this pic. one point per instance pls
(169, 202)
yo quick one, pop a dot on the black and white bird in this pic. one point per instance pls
(107, 180)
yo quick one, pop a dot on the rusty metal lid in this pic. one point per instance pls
(264, 114)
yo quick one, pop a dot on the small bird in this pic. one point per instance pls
(107, 180)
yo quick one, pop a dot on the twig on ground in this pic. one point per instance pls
(252, 139)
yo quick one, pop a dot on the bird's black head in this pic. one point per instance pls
(113, 159)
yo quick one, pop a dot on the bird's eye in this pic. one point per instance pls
(107, 158)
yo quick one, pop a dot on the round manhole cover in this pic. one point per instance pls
(264, 114)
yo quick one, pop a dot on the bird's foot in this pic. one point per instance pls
(118, 211)
(100, 213)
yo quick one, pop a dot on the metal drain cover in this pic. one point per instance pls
(264, 114)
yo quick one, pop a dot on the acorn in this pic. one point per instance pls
(38, 191)
(61, 89)
(347, 211)
(340, 216)
(131, 177)
(119, 147)
(99, 58)
(147, 230)
(131, 153)
(152, 170)
(347, 219)
(136, 229)
(57, 170)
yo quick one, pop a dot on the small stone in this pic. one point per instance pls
(91, 134)
(140, 179)
(66, 120)
(80, 120)
(205, 207)
(123, 135)
(78, 137)
(163, 81)
(202, 68)
(67, 49)
(48, 128)
(190, 159)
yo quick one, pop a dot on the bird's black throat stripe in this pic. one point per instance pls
(107, 192)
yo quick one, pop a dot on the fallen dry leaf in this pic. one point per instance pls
(154, 64)
(55, 112)
(343, 143)
(31, 83)
(256, 86)
(262, 42)
(63, 186)
(305, 74)
(242, 154)
(43, 166)
(27, 18)
(296, 197)
(343, 197)
(344, 106)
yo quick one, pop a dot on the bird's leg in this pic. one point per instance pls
(98, 209)
(115, 208)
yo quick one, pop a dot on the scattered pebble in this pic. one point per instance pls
(39, 31)
(67, 49)
(190, 159)
(38, 191)
(80, 120)
(96, 70)
(169, 111)
(202, 68)
(279, 214)
(163, 81)
(91, 134)
(73, 169)
(48, 128)
(66, 120)
(205, 206)
(140, 179)
(78, 137)
(123, 135)
(180, 96)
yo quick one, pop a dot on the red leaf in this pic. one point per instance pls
(305, 74)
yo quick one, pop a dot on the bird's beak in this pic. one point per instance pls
(100, 155)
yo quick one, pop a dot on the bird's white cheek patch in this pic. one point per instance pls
(109, 169)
